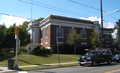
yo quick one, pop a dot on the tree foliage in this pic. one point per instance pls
(118, 32)
(74, 39)
(24, 36)
(7, 37)
(40, 19)
(95, 41)
(2, 36)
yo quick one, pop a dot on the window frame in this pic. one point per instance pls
(46, 32)
(70, 31)
(41, 34)
(108, 39)
(60, 32)
(84, 33)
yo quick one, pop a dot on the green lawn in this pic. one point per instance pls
(25, 59)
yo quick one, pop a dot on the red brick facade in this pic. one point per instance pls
(53, 22)
(52, 36)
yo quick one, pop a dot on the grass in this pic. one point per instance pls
(26, 59)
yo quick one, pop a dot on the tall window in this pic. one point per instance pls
(107, 38)
(46, 34)
(84, 34)
(41, 34)
(70, 31)
(59, 32)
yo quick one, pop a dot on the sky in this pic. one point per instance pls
(18, 11)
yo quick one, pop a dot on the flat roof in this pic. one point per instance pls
(67, 19)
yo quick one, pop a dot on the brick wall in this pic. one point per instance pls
(45, 41)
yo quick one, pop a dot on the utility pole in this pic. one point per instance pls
(58, 51)
(31, 9)
(101, 25)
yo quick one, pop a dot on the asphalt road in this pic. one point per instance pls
(102, 68)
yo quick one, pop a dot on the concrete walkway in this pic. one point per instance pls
(5, 69)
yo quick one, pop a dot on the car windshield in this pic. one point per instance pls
(91, 53)
(116, 55)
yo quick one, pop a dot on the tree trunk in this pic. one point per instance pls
(74, 50)
(0, 51)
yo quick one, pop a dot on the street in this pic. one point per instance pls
(102, 68)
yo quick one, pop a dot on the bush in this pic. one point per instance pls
(68, 49)
(54, 48)
(36, 49)
(32, 48)
(5, 50)
(44, 50)
(22, 50)
(63, 49)
(81, 50)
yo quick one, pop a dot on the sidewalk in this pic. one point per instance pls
(5, 69)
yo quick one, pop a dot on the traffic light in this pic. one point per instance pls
(16, 32)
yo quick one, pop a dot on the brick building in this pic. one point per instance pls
(46, 31)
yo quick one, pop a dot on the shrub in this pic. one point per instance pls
(5, 50)
(47, 51)
(54, 48)
(68, 49)
(63, 49)
(32, 48)
(22, 50)
(81, 50)
(36, 49)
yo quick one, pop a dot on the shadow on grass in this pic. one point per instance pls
(43, 54)
(24, 61)
(42, 65)
(6, 57)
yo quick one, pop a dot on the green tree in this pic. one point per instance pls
(117, 26)
(9, 41)
(74, 39)
(95, 41)
(40, 19)
(24, 36)
(2, 36)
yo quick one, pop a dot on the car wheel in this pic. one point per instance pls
(109, 61)
(119, 60)
(98, 63)
(93, 63)
(81, 64)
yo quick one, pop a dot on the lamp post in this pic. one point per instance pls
(111, 12)
(102, 22)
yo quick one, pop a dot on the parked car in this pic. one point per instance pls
(96, 56)
(116, 58)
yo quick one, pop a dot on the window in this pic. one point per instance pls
(84, 34)
(46, 34)
(41, 34)
(100, 38)
(59, 32)
(107, 38)
(70, 31)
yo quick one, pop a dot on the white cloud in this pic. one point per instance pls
(94, 18)
(90, 18)
(108, 25)
(10, 20)
(105, 25)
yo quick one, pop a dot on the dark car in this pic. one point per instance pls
(96, 56)
(116, 58)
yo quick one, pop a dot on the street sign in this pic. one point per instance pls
(16, 31)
